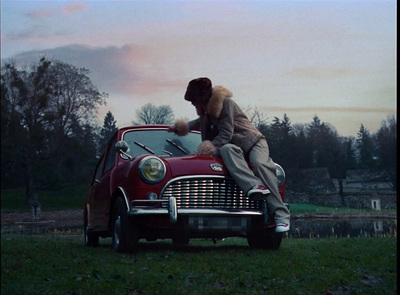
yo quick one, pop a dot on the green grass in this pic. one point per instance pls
(70, 197)
(62, 265)
(306, 208)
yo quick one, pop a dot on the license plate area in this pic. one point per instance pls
(201, 223)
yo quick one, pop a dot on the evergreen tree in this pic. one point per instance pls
(386, 143)
(107, 131)
(365, 148)
(304, 152)
(282, 142)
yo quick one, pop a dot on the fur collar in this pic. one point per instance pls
(214, 106)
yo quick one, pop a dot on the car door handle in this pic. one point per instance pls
(97, 181)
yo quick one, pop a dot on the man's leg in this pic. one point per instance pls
(234, 160)
(264, 168)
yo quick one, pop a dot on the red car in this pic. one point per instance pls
(150, 184)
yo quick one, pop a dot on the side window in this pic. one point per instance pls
(110, 157)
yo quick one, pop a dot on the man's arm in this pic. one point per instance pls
(225, 124)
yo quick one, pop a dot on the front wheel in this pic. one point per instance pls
(264, 239)
(180, 241)
(124, 231)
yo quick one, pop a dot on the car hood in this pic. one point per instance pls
(196, 165)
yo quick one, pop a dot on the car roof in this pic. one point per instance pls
(152, 126)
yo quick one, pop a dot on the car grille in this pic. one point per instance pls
(208, 192)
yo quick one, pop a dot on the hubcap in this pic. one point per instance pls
(86, 234)
(117, 230)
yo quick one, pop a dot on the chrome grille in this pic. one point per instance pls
(208, 192)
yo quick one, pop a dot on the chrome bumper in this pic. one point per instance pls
(172, 211)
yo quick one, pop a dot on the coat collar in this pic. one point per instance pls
(214, 106)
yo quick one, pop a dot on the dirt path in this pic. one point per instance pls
(56, 218)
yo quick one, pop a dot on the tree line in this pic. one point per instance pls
(50, 138)
(318, 145)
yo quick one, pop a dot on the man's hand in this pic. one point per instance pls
(181, 127)
(207, 148)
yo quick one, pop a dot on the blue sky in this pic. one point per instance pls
(333, 59)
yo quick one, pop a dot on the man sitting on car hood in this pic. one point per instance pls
(226, 131)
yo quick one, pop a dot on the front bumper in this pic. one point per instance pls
(172, 211)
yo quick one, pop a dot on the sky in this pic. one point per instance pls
(331, 59)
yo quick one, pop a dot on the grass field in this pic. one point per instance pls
(62, 265)
(58, 263)
(70, 197)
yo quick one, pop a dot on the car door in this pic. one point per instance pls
(101, 190)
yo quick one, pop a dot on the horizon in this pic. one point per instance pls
(332, 59)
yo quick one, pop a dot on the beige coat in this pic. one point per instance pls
(224, 122)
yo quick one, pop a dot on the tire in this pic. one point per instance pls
(91, 239)
(124, 232)
(264, 239)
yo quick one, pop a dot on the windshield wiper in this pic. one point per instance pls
(177, 146)
(168, 153)
(144, 147)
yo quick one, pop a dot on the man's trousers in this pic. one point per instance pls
(262, 172)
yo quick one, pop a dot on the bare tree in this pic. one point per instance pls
(255, 116)
(74, 98)
(151, 114)
(50, 104)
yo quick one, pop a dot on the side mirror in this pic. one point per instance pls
(121, 147)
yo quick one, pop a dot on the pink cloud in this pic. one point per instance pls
(41, 13)
(73, 8)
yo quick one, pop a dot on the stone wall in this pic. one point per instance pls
(388, 200)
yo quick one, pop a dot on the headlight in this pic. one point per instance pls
(151, 169)
(280, 175)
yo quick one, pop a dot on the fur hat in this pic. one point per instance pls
(199, 90)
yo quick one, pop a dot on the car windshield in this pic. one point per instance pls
(161, 142)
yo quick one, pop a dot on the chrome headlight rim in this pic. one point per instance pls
(147, 174)
(280, 175)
